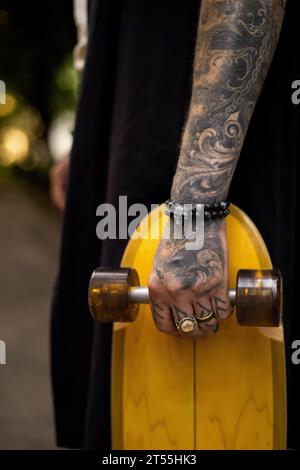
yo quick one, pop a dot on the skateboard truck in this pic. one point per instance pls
(115, 296)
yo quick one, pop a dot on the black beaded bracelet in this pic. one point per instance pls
(213, 211)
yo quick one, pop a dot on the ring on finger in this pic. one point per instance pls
(206, 318)
(186, 324)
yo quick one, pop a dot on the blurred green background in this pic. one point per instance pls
(36, 47)
(36, 64)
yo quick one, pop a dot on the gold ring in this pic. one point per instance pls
(186, 325)
(206, 318)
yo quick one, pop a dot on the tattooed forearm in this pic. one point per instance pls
(235, 44)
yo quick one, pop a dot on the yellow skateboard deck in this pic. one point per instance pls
(224, 392)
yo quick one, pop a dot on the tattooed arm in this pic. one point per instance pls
(235, 45)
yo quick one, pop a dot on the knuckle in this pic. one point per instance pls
(173, 288)
(154, 284)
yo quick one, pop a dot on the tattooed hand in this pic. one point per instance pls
(189, 283)
(235, 44)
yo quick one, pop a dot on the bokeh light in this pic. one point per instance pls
(60, 135)
(14, 145)
(8, 107)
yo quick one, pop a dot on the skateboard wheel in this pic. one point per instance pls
(108, 295)
(259, 297)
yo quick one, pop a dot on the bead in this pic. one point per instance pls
(215, 210)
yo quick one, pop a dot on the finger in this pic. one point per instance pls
(163, 318)
(221, 305)
(184, 318)
(206, 318)
(159, 303)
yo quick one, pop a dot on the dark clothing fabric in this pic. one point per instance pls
(134, 99)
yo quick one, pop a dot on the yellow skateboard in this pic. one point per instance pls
(224, 392)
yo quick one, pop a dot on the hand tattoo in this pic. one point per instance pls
(199, 270)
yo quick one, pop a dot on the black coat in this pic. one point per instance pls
(134, 99)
